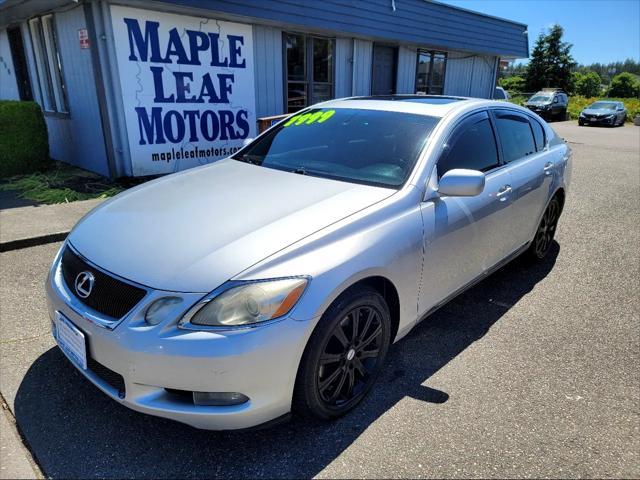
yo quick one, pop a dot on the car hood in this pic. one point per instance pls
(598, 111)
(537, 104)
(192, 231)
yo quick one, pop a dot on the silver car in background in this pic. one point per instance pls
(273, 281)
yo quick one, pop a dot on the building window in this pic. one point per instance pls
(431, 68)
(48, 64)
(309, 70)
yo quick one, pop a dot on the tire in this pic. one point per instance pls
(580, 123)
(336, 371)
(541, 243)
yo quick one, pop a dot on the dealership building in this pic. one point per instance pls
(131, 88)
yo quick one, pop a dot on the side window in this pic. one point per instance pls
(473, 147)
(538, 134)
(48, 64)
(515, 135)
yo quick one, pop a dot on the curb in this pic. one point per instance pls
(25, 459)
(32, 242)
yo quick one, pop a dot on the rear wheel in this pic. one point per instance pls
(541, 243)
(344, 355)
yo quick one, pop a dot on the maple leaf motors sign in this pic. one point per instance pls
(187, 88)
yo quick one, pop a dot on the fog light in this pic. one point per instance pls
(219, 399)
(160, 309)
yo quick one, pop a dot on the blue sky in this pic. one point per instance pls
(600, 30)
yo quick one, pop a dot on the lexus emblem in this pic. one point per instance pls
(84, 284)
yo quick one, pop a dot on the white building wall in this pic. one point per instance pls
(75, 136)
(362, 63)
(470, 75)
(407, 64)
(8, 83)
(344, 67)
(268, 75)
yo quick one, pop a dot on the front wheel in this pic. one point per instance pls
(344, 355)
(541, 243)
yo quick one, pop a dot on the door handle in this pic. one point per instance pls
(547, 168)
(504, 192)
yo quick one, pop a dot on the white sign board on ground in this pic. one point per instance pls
(187, 88)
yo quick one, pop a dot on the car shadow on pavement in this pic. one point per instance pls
(74, 430)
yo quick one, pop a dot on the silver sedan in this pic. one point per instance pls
(275, 280)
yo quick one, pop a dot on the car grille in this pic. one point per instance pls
(107, 375)
(109, 296)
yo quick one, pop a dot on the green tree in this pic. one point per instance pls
(536, 67)
(624, 85)
(513, 84)
(551, 62)
(586, 84)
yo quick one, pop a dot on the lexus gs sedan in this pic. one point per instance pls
(275, 281)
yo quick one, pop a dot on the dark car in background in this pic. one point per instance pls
(603, 113)
(549, 104)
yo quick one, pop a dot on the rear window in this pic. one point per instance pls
(372, 147)
(515, 135)
(499, 94)
(538, 134)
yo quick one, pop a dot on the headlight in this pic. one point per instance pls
(160, 309)
(610, 116)
(250, 302)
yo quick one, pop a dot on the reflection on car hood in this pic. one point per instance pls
(194, 230)
(537, 104)
(598, 111)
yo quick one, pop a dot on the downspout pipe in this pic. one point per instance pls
(353, 67)
(100, 91)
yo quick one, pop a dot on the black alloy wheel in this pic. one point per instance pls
(345, 354)
(546, 231)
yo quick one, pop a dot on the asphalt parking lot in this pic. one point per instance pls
(532, 373)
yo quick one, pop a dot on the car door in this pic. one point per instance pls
(555, 105)
(465, 235)
(531, 168)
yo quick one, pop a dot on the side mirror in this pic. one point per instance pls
(621, 109)
(461, 182)
(555, 100)
(247, 141)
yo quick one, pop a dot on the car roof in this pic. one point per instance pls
(431, 105)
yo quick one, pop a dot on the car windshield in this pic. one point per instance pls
(371, 147)
(540, 97)
(603, 106)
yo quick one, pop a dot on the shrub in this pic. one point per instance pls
(624, 85)
(512, 84)
(24, 145)
(586, 84)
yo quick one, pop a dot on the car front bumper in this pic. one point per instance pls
(598, 120)
(153, 362)
(539, 110)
